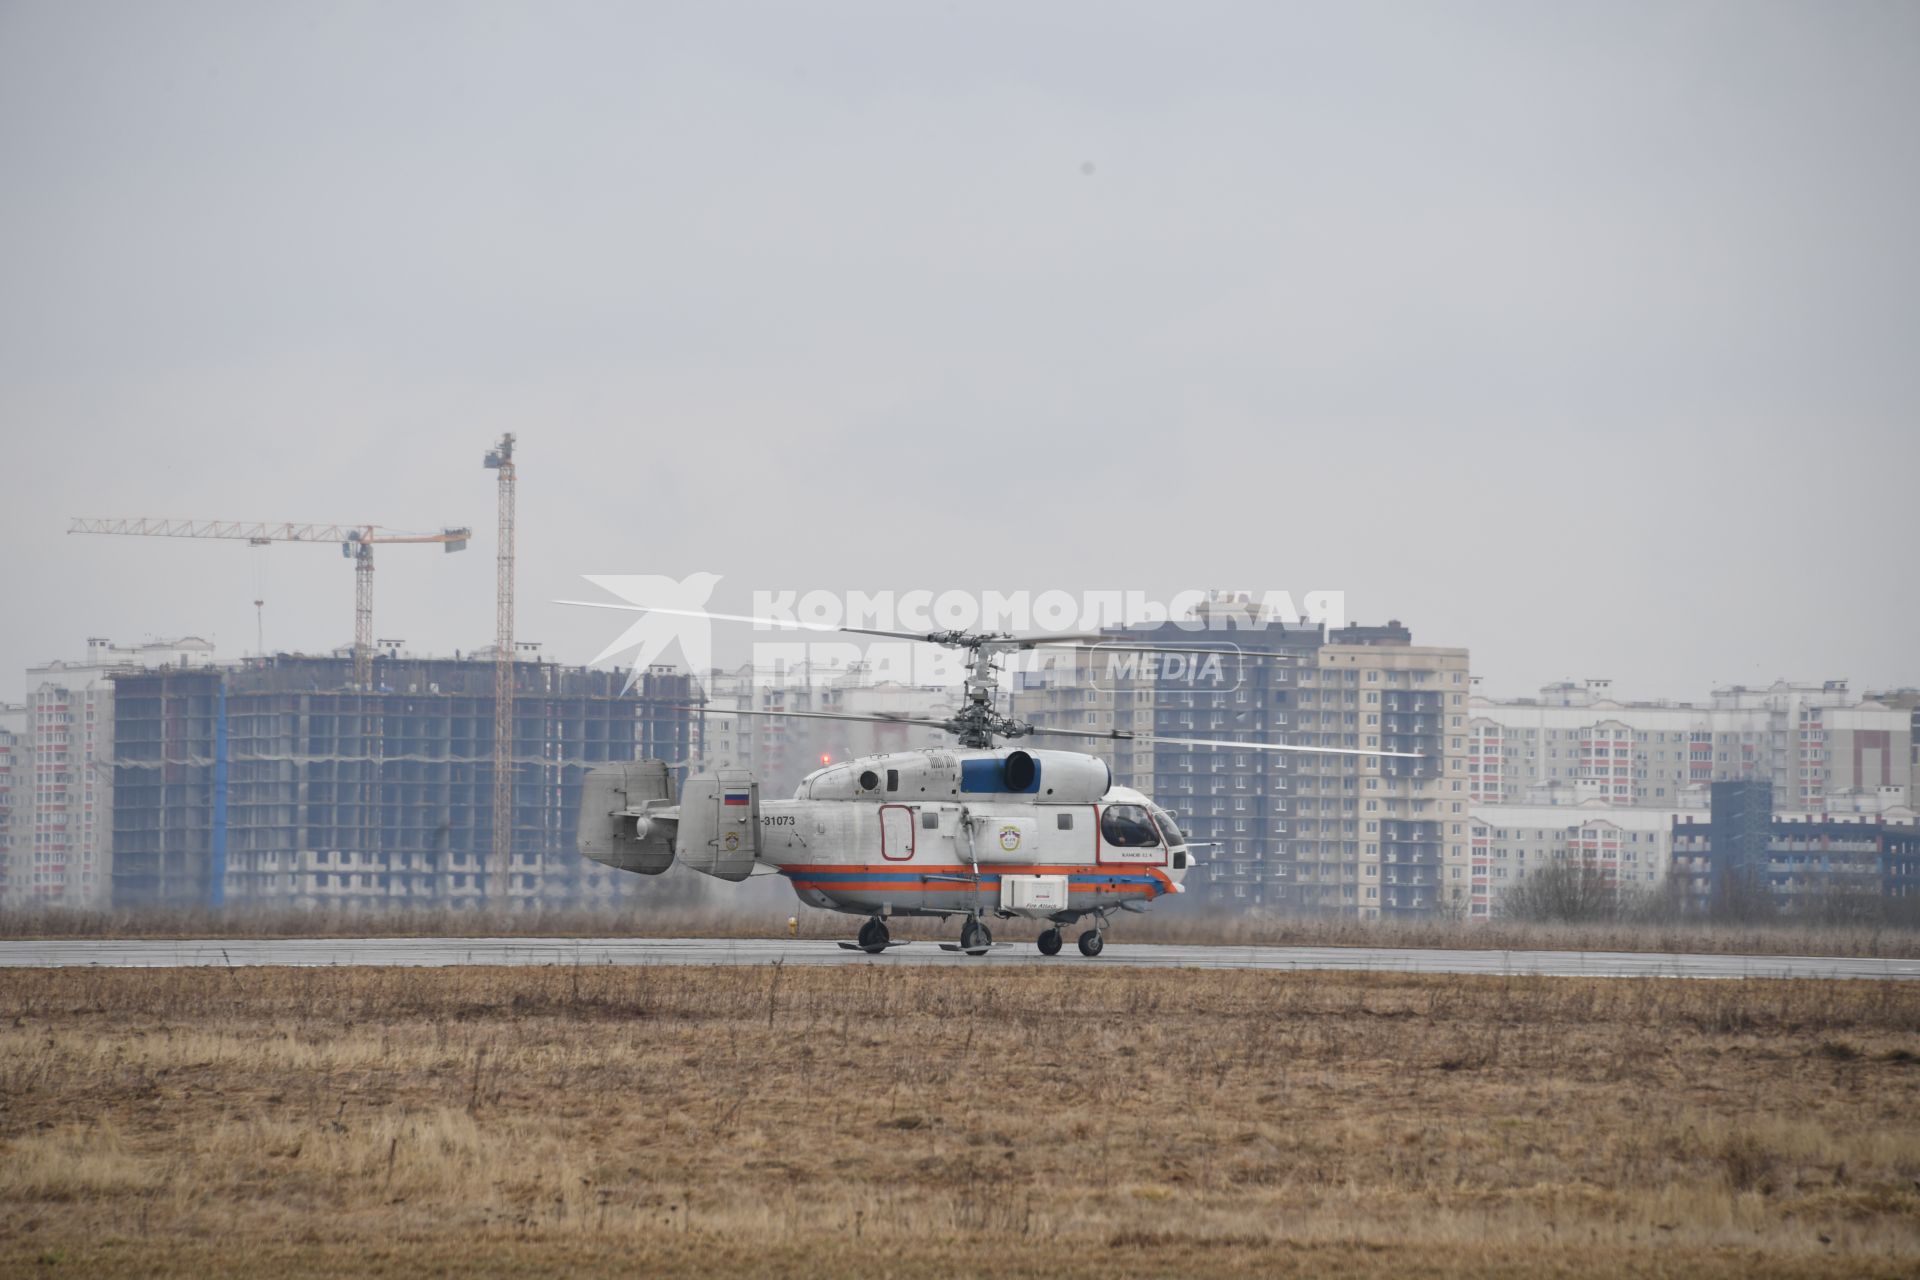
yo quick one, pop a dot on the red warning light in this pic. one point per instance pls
(825, 758)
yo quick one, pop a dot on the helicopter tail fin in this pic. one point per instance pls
(627, 818)
(720, 824)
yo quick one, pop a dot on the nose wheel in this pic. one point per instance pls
(1049, 943)
(1092, 943)
(874, 936)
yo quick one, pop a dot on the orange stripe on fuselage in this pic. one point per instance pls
(949, 886)
(815, 869)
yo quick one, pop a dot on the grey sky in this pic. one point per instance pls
(1614, 307)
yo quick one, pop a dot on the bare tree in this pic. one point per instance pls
(1566, 892)
(1743, 897)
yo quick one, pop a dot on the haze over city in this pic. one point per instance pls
(1581, 337)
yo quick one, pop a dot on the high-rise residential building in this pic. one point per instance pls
(1413, 818)
(13, 753)
(60, 850)
(274, 780)
(1821, 747)
(1366, 836)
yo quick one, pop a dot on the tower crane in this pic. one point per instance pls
(500, 459)
(356, 541)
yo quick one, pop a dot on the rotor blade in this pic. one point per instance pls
(777, 624)
(1123, 736)
(876, 718)
(1287, 746)
(1028, 640)
(1117, 646)
(1031, 640)
(1116, 735)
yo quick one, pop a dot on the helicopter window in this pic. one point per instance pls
(1127, 826)
(869, 780)
(1180, 860)
(930, 820)
(893, 779)
(1064, 821)
(1168, 827)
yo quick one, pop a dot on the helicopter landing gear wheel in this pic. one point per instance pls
(975, 936)
(874, 936)
(1092, 943)
(1049, 943)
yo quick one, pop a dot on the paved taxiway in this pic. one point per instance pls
(430, 952)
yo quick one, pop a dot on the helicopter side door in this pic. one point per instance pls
(896, 833)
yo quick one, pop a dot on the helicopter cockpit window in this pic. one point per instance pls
(1168, 828)
(1127, 826)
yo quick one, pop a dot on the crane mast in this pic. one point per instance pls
(500, 459)
(362, 553)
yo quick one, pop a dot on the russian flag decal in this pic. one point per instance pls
(736, 797)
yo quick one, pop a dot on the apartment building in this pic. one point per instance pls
(1821, 747)
(1632, 848)
(1830, 866)
(59, 835)
(13, 767)
(1355, 835)
(1412, 817)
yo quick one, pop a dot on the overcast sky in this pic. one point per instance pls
(1583, 335)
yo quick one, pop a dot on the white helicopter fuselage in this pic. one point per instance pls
(942, 857)
(1011, 833)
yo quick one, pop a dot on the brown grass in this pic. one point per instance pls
(942, 1122)
(1169, 922)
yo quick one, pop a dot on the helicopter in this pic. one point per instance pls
(974, 831)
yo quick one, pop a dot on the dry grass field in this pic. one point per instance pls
(945, 1123)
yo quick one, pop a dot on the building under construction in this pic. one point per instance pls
(276, 781)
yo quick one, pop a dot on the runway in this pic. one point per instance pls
(437, 952)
